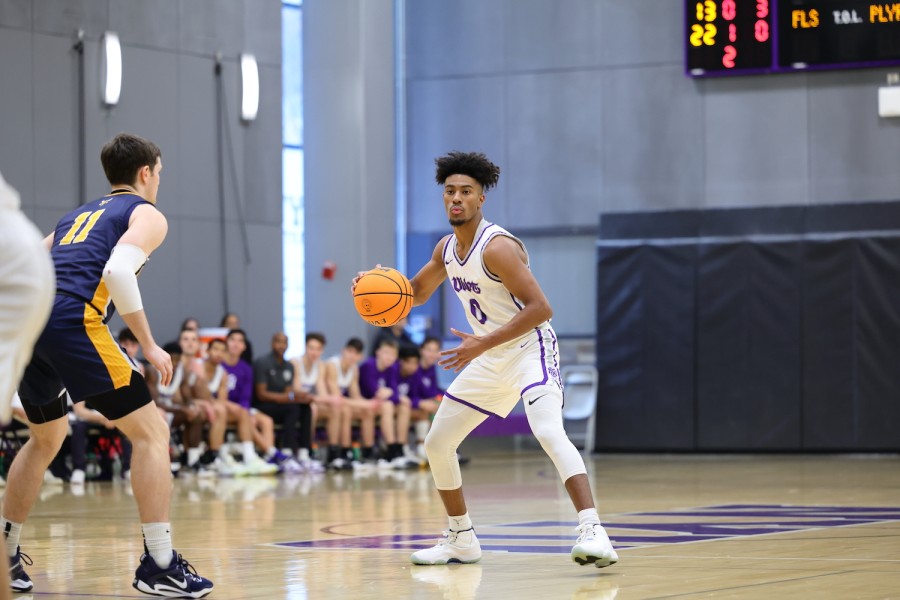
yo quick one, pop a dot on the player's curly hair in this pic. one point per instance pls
(474, 164)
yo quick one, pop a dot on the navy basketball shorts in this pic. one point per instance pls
(77, 351)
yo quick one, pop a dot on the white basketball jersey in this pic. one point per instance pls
(344, 378)
(167, 392)
(487, 303)
(216, 380)
(307, 379)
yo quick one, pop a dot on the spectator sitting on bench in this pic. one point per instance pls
(240, 393)
(342, 378)
(217, 381)
(309, 377)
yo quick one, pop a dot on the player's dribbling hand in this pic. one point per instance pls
(467, 351)
(358, 275)
(160, 359)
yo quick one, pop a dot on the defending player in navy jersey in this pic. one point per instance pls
(511, 354)
(97, 250)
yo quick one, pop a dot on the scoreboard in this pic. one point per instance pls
(724, 37)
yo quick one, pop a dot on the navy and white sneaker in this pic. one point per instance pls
(179, 580)
(19, 579)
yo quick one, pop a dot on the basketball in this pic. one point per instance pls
(383, 296)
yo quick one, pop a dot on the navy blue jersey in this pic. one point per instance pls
(77, 350)
(83, 241)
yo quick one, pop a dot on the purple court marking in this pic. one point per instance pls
(635, 530)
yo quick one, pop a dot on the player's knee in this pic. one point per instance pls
(436, 443)
(48, 437)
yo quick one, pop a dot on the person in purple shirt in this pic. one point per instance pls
(240, 391)
(429, 354)
(411, 389)
(378, 382)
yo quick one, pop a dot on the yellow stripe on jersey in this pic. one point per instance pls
(118, 366)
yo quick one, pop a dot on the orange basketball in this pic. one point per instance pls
(383, 296)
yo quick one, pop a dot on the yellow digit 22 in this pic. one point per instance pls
(81, 228)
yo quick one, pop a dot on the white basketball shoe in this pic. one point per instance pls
(454, 547)
(593, 547)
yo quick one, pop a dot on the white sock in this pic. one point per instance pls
(270, 452)
(193, 455)
(422, 428)
(588, 515)
(460, 523)
(248, 452)
(303, 454)
(158, 539)
(11, 531)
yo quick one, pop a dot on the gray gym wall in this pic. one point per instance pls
(585, 106)
(583, 103)
(169, 96)
(349, 162)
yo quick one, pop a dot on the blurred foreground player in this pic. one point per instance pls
(26, 294)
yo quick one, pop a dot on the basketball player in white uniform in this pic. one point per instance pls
(511, 354)
(27, 283)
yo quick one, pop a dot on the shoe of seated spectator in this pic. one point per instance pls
(52, 479)
(289, 466)
(340, 464)
(402, 462)
(77, 477)
(202, 471)
(412, 457)
(258, 466)
(362, 466)
(312, 465)
(383, 464)
(226, 466)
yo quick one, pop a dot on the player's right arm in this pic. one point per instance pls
(431, 276)
(147, 229)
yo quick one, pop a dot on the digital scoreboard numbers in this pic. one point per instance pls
(724, 37)
(728, 36)
(838, 34)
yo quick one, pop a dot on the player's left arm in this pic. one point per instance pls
(147, 229)
(48, 241)
(505, 258)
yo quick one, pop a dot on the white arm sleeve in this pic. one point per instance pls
(120, 277)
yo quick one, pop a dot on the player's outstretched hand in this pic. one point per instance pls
(160, 359)
(457, 358)
(358, 275)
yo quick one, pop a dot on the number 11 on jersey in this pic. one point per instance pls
(91, 218)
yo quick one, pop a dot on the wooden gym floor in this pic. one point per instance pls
(684, 526)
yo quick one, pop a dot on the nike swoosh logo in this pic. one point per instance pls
(530, 402)
(447, 262)
(525, 344)
(181, 584)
